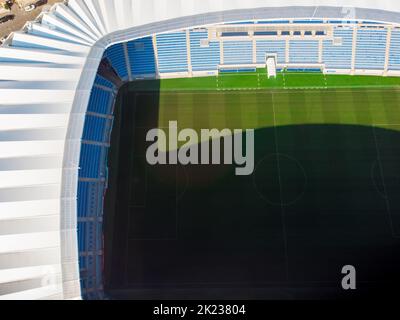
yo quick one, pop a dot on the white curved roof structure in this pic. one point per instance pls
(46, 75)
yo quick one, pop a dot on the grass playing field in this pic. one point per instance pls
(259, 80)
(324, 193)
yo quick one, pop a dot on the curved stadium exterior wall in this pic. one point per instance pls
(48, 72)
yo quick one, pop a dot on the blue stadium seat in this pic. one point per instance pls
(238, 52)
(116, 55)
(94, 129)
(203, 57)
(394, 56)
(172, 52)
(100, 101)
(141, 57)
(271, 46)
(303, 51)
(91, 156)
(339, 56)
(371, 48)
(100, 81)
(92, 183)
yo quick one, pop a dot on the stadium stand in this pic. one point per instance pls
(94, 128)
(100, 101)
(238, 52)
(116, 55)
(394, 55)
(92, 184)
(172, 52)
(102, 82)
(141, 58)
(271, 46)
(339, 56)
(90, 161)
(371, 48)
(90, 209)
(303, 51)
(204, 56)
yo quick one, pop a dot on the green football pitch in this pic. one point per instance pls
(251, 100)
(324, 193)
(259, 80)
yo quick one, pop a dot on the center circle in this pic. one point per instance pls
(280, 179)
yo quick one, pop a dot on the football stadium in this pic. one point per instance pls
(83, 215)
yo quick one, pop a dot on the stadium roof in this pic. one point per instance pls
(46, 74)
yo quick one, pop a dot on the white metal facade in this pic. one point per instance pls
(46, 74)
